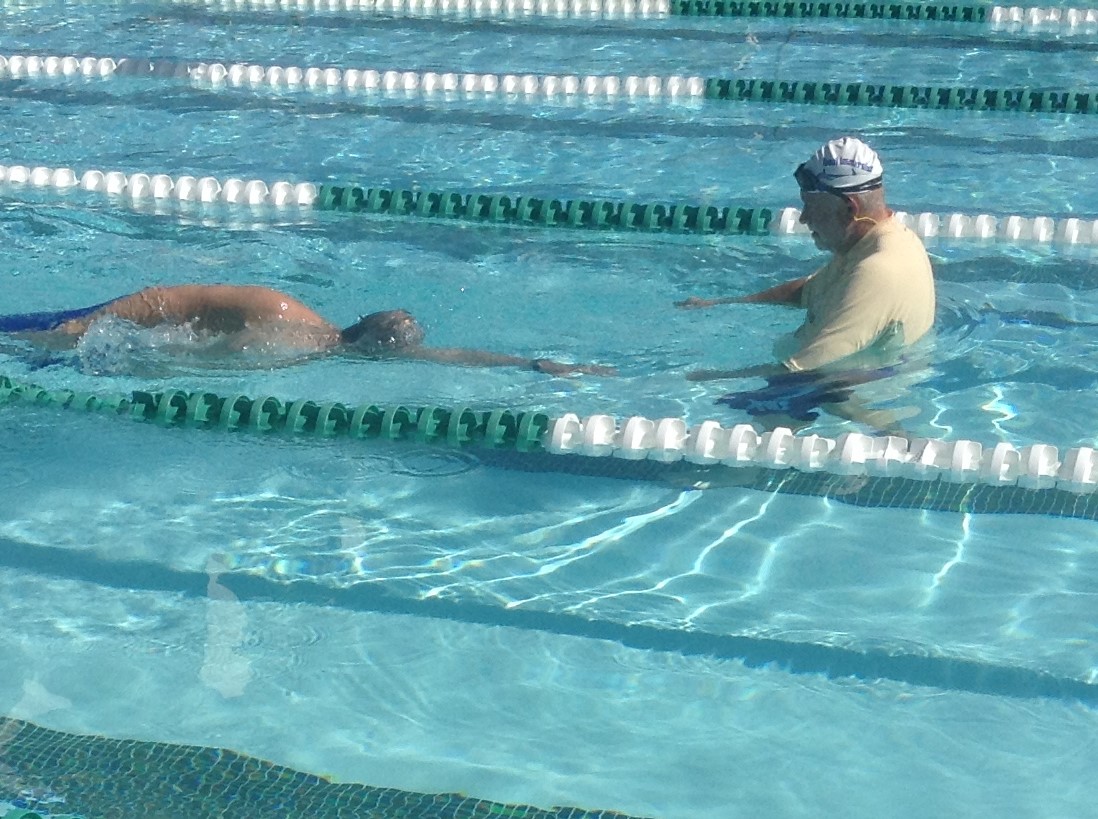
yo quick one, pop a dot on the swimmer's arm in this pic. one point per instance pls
(74, 328)
(483, 358)
(787, 293)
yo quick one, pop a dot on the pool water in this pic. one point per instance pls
(417, 617)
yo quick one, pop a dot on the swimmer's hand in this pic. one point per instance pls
(545, 365)
(695, 303)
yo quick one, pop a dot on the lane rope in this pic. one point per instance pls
(538, 87)
(668, 217)
(1012, 18)
(1038, 466)
(667, 440)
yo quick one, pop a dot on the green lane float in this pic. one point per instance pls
(499, 428)
(845, 11)
(528, 210)
(875, 95)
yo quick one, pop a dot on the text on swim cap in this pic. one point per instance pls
(854, 163)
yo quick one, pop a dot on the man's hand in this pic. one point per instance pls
(711, 375)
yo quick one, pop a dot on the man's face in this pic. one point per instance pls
(828, 216)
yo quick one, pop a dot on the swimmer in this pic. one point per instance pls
(876, 293)
(247, 316)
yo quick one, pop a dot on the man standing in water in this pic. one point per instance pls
(873, 297)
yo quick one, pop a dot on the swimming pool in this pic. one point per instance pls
(529, 629)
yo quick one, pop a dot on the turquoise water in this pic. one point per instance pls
(421, 618)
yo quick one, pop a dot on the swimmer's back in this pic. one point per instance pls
(216, 308)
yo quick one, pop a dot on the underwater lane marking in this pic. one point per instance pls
(833, 662)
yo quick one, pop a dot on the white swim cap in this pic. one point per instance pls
(845, 164)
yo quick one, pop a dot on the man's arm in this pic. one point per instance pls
(754, 371)
(788, 293)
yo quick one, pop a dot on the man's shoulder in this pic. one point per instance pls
(893, 246)
(893, 233)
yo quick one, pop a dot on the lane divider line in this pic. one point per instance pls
(666, 440)
(531, 87)
(682, 218)
(1011, 18)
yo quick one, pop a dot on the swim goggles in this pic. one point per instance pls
(810, 183)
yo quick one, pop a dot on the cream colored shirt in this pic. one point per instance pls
(877, 296)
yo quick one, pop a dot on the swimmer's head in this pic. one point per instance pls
(382, 332)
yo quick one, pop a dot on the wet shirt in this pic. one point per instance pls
(878, 295)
